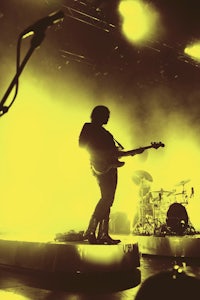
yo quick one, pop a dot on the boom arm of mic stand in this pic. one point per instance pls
(35, 42)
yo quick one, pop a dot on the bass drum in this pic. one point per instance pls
(177, 218)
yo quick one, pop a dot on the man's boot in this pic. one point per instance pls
(90, 232)
(103, 236)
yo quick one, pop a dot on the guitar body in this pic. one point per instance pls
(102, 165)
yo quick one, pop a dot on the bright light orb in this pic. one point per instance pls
(193, 50)
(138, 20)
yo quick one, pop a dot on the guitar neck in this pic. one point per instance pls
(134, 151)
(104, 163)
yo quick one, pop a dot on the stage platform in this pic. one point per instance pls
(63, 265)
(186, 246)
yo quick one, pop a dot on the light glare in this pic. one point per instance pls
(139, 20)
(193, 51)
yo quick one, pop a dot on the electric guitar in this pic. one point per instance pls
(104, 163)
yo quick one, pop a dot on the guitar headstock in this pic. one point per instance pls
(157, 145)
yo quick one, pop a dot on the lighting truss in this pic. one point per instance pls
(88, 14)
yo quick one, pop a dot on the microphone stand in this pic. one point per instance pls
(35, 42)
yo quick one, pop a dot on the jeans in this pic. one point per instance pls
(108, 184)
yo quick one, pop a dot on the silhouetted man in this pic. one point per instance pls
(102, 148)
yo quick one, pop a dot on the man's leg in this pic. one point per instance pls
(103, 234)
(108, 184)
(90, 233)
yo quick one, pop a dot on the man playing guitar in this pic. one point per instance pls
(104, 152)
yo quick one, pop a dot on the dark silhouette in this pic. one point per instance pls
(102, 148)
(104, 153)
(171, 284)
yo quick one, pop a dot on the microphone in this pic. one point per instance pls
(3, 109)
(44, 23)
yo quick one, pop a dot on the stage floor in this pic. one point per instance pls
(80, 267)
(13, 286)
(62, 265)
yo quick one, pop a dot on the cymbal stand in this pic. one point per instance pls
(143, 226)
(138, 228)
(156, 220)
(184, 195)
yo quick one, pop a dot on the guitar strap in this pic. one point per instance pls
(118, 143)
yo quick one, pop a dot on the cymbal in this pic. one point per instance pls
(171, 192)
(181, 193)
(161, 191)
(183, 182)
(140, 175)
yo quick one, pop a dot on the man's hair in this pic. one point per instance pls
(99, 111)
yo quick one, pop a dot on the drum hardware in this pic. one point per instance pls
(139, 176)
(183, 182)
(171, 192)
(144, 224)
(149, 219)
(192, 192)
(162, 191)
(152, 210)
(163, 213)
(173, 220)
(182, 197)
(177, 221)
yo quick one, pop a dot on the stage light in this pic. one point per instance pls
(104, 257)
(139, 20)
(193, 51)
(12, 296)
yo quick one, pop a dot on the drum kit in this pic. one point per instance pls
(162, 212)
